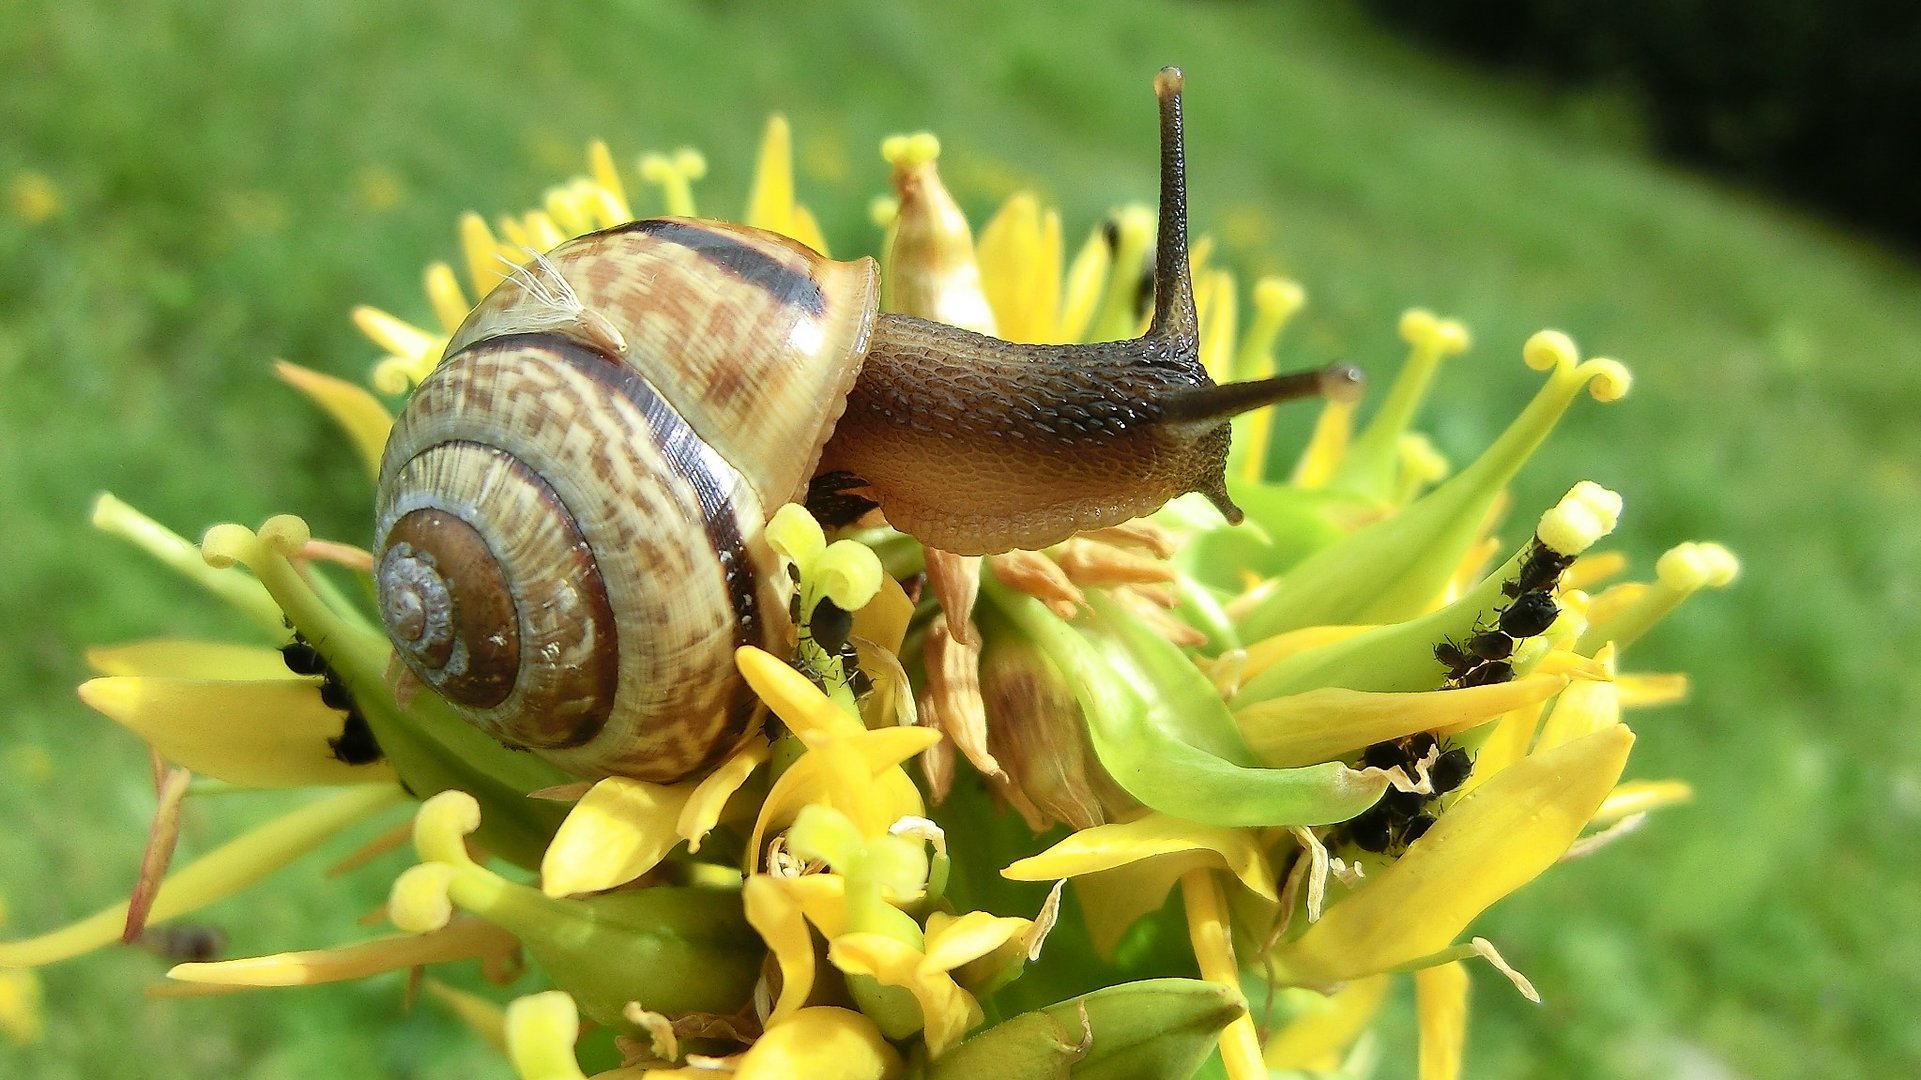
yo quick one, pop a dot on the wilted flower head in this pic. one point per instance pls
(1342, 729)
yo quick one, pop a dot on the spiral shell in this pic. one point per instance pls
(568, 529)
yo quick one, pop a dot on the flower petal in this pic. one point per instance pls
(257, 733)
(1150, 711)
(778, 919)
(618, 831)
(1441, 1002)
(1320, 725)
(181, 658)
(703, 810)
(1325, 1024)
(952, 942)
(1106, 847)
(1497, 838)
(360, 414)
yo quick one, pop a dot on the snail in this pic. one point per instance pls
(568, 526)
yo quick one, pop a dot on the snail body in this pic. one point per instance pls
(568, 527)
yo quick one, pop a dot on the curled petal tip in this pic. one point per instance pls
(419, 902)
(1550, 350)
(285, 533)
(1607, 380)
(227, 544)
(442, 825)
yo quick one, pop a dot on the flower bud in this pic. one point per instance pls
(1039, 736)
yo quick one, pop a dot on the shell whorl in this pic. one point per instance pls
(564, 550)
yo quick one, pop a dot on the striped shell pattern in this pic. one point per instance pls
(568, 532)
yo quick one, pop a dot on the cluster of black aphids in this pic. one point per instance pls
(1482, 659)
(832, 628)
(355, 744)
(1402, 817)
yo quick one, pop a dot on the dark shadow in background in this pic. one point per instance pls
(1819, 100)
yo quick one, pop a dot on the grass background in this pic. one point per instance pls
(234, 177)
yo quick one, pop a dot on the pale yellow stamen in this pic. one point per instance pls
(675, 174)
(1681, 572)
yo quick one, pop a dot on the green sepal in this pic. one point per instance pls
(1394, 568)
(1163, 733)
(672, 949)
(1157, 1029)
(1397, 658)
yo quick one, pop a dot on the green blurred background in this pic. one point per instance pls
(232, 178)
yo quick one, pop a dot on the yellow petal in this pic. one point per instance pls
(804, 227)
(1106, 847)
(770, 204)
(1213, 941)
(21, 1021)
(702, 811)
(541, 1029)
(1639, 797)
(450, 304)
(459, 940)
(1646, 691)
(618, 831)
(1020, 262)
(1509, 742)
(884, 619)
(1497, 838)
(1086, 281)
(220, 873)
(821, 1043)
(257, 733)
(1324, 1025)
(1586, 706)
(181, 658)
(1321, 725)
(876, 800)
(1114, 900)
(947, 1011)
(799, 703)
(778, 919)
(360, 414)
(1440, 995)
(1218, 309)
(1266, 653)
(952, 942)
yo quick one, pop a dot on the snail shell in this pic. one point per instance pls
(568, 529)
